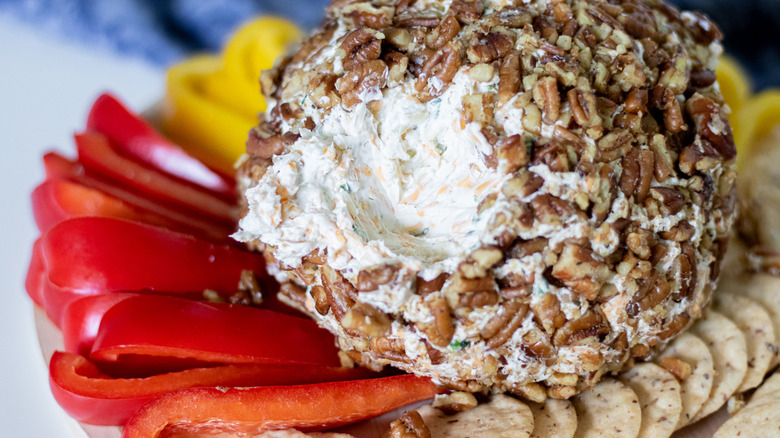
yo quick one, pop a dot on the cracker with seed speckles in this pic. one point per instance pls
(753, 319)
(503, 416)
(553, 419)
(659, 397)
(766, 290)
(609, 410)
(694, 390)
(760, 418)
(729, 355)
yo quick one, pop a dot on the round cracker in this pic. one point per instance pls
(502, 416)
(766, 290)
(553, 419)
(608, 410)
(760, 417)
(659, 398)
(696, 389)
(729, 356)
(754, 321)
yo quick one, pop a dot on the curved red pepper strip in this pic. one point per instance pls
(59, 167)
(251, 410)
(36, 274)
(96, 255)
(56, 200)
(168, 327)
(133, 136)
(94, 398)
(96, 154)
(81, 320)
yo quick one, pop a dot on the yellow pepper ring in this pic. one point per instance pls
(734, 83)
(757, 118)
(211, 103)
(211, 131)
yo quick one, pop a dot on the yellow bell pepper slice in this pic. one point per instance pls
(256, 46)
(734, 83)
(757, 118)
(211, 131)
(212, 102)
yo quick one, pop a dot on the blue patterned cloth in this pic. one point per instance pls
(163, 31)
(160, 31)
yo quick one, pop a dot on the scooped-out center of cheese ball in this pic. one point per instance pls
(510, 195)
(389, 179)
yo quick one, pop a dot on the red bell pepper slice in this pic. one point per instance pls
(94, 255)
(81, 320)
(59, 167)
(252, 410)
(36, 274)
(96, 154)
(56, 200)
(91, 397)
(168, 327)
(133, 136)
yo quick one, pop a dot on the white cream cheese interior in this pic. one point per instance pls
(401, 183)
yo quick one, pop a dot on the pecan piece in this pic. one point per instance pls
(489, 47)
(524, 248)
(537, 345)
(550, 209)
(479, 261)
(531, 391)
(547, 98)
(509, 77)
(674, 325)
(424, 287)
(441, 66)
(588, 325)
(455, 402)
(441, 329)
(712, 125)
(652, 291)
(681, 370)
(547, 313)
(514, 152)
(478, 108)
(264, 144)
(581, 270)
(371, 278)
(636, 101)
(338, 291)
(444, 32)
(410, 425)
(614, 145)
(367, 320)
(366, 15)
(360, 46)
(467, 11)
(672, 201)
(510, 314)
(321, 303)
(687, 266)
(387, 346)
(371, 75)
(583, 104)
(524, 184)
(638, 169)
(682, 232)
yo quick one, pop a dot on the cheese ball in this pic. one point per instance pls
(505, 195)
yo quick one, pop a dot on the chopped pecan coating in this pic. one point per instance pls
(613, 195)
